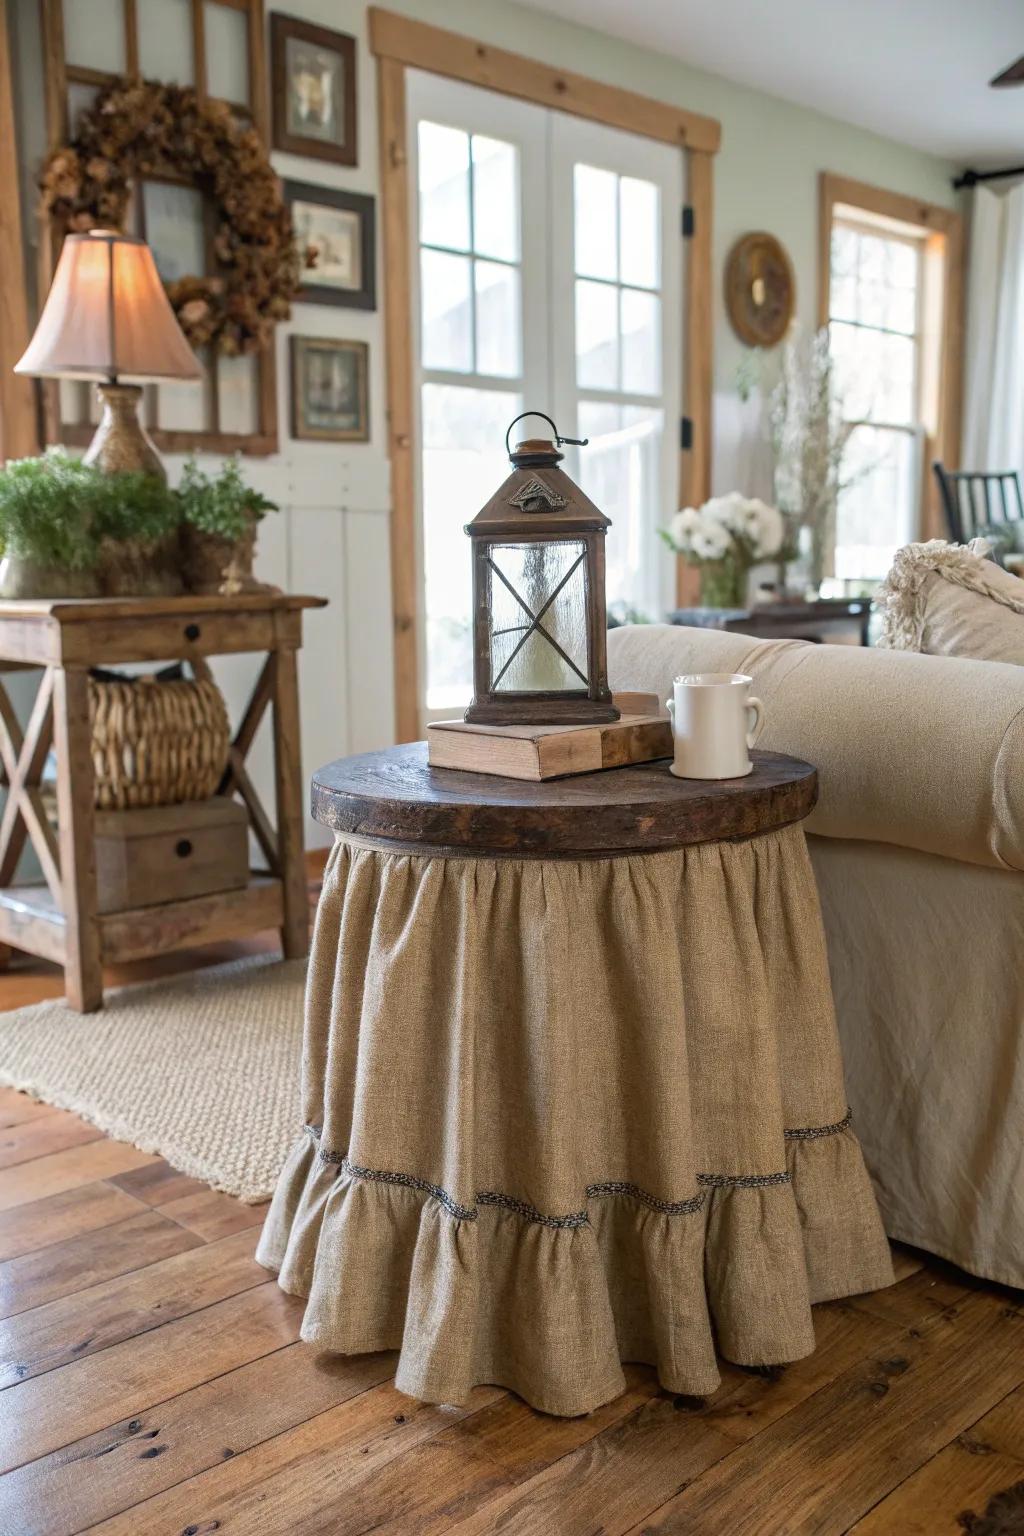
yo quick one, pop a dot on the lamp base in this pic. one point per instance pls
(120, 445)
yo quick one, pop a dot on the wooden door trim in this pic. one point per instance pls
(942, 230)
(418, 45)
(19, 429)
(400, 43)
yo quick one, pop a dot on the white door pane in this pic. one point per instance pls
(463, 462)
(620, 470)
(641, 342)
(495, 198)
(596, 222)
(597, 335)
(227, 52)
(639, 233)
(94, 34)
(166, 49)
(444, 186)
(498, 323)
(446, 307)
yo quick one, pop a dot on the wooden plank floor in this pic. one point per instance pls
(152, 1383)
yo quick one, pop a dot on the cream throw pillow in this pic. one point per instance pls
(948, 600)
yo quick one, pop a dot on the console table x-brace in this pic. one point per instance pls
(58, 919)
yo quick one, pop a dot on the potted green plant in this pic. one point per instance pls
(220, 518)
(49, 549)
(136, 522)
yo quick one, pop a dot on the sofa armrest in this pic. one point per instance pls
(923, 751)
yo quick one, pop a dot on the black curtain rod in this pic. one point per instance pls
(971, 178)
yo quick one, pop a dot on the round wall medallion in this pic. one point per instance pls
(760, 290)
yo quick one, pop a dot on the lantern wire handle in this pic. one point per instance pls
(577, 442)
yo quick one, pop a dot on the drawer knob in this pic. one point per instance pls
(192, 631)
(183, 848)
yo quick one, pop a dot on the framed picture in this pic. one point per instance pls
(338, 228)
(313, 80)
(330, 390)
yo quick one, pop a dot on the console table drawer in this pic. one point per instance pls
(170, 852)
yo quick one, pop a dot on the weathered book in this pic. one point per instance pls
(554, 751)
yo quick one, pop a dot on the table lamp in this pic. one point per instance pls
(107, 316)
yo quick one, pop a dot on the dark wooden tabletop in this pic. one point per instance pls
(396, 795)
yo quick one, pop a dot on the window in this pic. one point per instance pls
(548, 277)
(217, 47)
(874, 334)
(886, 301)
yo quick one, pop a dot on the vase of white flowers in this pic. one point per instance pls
(723, 539)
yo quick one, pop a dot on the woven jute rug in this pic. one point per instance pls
(202, 1068)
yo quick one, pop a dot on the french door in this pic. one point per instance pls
(547, 275)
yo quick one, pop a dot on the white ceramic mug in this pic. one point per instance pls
(715, 722)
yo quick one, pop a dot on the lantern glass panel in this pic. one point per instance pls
(539, 616)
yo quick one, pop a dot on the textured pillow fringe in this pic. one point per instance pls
(903, 591)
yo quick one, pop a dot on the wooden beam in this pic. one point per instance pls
(19, 430)
(420, 46)
(888, 205)
(131, 39)
(397, 238)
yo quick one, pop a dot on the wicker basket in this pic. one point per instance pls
(156, 740)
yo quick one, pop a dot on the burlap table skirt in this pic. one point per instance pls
(566, 1114)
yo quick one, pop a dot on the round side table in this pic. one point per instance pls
(572, 1083)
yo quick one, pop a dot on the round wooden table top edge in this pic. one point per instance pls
(394, 796)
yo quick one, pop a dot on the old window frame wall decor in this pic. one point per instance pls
(60, 75)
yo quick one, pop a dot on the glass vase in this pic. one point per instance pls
(723, 584)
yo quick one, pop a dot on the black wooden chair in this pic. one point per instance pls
(973, 498)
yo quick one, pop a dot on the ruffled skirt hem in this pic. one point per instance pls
(550, 1311)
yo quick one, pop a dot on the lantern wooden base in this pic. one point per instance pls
(541, 709)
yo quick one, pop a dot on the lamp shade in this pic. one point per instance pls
(107, 316)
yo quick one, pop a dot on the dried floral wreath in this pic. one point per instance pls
(140, 128)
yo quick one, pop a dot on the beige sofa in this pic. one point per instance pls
(918, 847)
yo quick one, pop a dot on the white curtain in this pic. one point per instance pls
(993, 437)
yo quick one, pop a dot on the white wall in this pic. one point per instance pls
(331, 537)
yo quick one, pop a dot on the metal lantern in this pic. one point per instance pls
(539, 620)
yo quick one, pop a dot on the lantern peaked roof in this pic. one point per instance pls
(538, 500)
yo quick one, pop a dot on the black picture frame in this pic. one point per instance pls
(342, 149)
(365, 208)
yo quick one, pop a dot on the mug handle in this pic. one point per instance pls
(757, 708)
(670, 705)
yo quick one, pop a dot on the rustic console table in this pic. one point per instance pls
(58, 919)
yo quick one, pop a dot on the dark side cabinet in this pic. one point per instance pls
(828, 621)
